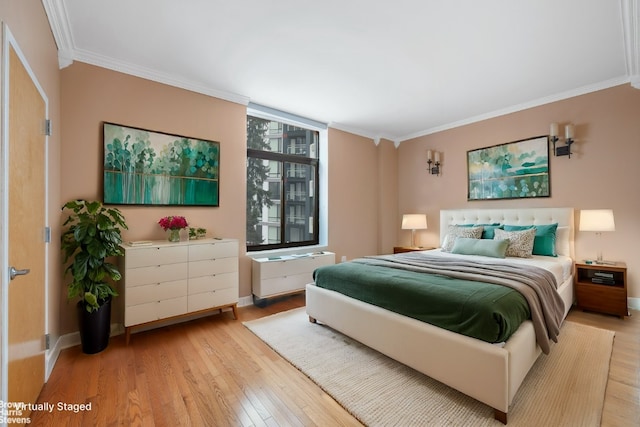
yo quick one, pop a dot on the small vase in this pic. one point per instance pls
(174, 235)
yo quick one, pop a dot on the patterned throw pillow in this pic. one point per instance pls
(456, 231)
(520, 242)
(545, 241)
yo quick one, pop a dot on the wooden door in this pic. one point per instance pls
(26, 232)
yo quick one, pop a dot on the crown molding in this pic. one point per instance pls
(631, 32)
(520, 107)
(59, 23)
(376, 137)
(154, 75)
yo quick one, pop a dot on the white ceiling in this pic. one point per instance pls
(383, 69)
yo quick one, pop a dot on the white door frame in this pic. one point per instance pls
(8, 41)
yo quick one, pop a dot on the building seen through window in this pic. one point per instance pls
(282, 180)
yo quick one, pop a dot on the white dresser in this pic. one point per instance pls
(274, 276)
(163, 280)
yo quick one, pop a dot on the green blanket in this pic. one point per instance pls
(480, 310)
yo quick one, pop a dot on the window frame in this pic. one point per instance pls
(283, 158)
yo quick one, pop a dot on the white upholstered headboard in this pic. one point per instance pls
(563, 216)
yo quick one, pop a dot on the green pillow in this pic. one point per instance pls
(483, 247)
(544, 243)
(488, 230)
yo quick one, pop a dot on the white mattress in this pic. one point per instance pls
(561, 266)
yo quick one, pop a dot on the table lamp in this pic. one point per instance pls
(414, 222)
(597, 220)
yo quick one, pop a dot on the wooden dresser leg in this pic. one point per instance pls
(234, 308)
(127, 335)
(500, 416)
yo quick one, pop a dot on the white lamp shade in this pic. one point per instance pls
(414, 221)
(597, 220)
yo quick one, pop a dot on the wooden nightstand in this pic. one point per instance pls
(401, 249)
(602, 288)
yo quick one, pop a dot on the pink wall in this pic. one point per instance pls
(602, 173)
(353, 195)
(388, 218)
(92, 95)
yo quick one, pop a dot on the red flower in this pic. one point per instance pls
(173, 223)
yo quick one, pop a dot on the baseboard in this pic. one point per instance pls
(633, 303)
(245, 301)
(67, 341)
(50, 359)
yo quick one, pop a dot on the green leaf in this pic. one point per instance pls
(96, 249)
(91, 300)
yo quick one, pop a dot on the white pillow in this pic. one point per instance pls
(520, 242)
(456, 231)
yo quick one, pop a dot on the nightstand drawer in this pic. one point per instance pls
(602, 298)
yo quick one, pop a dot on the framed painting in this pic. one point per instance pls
(143, 167)
(514, 170)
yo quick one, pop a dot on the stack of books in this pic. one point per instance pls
(603, 278)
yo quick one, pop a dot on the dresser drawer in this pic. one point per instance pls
(150, 312)
(155, 255)
(155, 274)
(212, 283)
(205, 300)
(156, 292)
(222, 249)
(213, 266)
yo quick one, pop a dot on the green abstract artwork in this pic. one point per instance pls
(513, 170)
(143, 167)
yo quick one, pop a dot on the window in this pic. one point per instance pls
(282, 180)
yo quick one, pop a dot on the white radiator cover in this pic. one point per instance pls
(274, 276)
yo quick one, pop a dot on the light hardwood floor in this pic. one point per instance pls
(215, 372)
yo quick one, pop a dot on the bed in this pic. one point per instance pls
(488, 372)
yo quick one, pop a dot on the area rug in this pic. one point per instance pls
(565, 388)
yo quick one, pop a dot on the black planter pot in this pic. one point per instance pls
(95, 327)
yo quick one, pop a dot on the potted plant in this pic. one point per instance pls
(174, 224)
(93, 236)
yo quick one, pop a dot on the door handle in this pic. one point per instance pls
(13, 272)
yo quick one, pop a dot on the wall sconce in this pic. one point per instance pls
(564, 150)
(433, 158)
